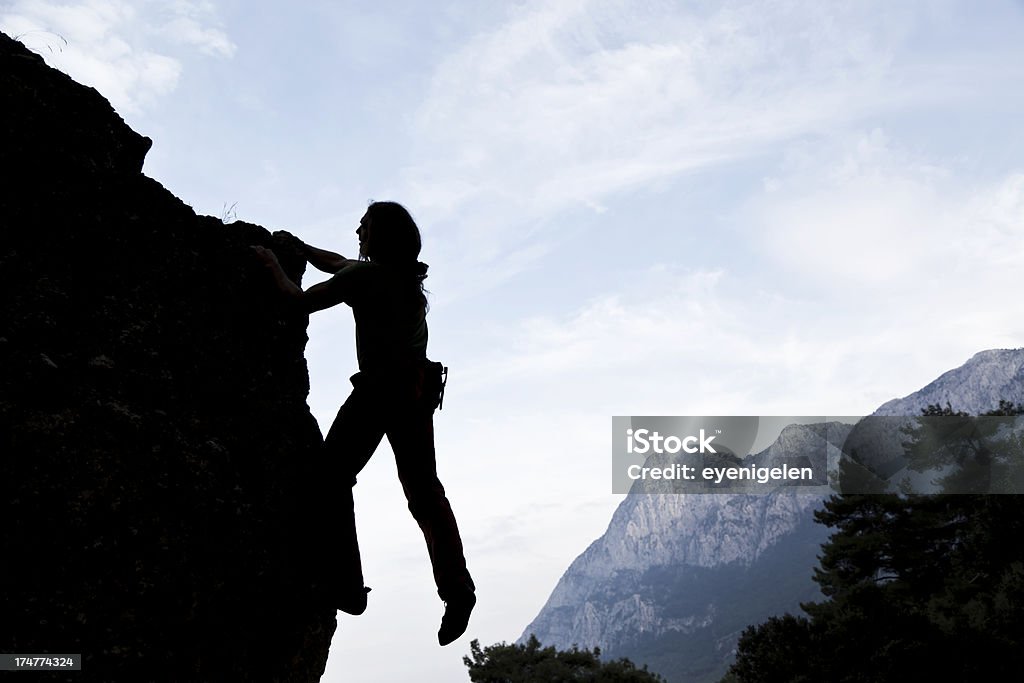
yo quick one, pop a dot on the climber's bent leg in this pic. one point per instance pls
(355, 433)
(354, 436)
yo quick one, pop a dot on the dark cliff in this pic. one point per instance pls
(157, 510)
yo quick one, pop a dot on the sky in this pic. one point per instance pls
(629, 207)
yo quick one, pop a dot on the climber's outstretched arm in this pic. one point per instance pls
(326, 261)
(316, 298)
(321, 259)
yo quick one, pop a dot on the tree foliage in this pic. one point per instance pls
(531, 663)
(917, 587)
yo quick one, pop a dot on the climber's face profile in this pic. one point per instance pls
(363, 231)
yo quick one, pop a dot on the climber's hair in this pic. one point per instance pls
(395, 238)
(395, 241)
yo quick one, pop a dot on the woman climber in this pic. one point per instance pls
(394, 393)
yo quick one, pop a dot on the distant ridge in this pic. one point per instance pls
(974, 387)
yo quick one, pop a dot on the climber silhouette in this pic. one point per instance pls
(394, 393)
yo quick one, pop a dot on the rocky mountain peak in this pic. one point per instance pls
(974, 387)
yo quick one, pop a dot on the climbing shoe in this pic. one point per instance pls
(456, 618)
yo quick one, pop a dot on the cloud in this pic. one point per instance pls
(581, 99)
(877, 269)
(678, 340)
(127, 51)
(862, 217)
(856, 218)
(563, 106)
(210, 41)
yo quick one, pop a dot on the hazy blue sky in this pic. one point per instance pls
(629, 207)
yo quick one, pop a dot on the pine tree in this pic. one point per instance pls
(917, 587)
(531, 663)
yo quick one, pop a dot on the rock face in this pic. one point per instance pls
(155, 443)
(974, 387)
(675, 578)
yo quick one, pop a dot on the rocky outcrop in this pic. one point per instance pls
(156, 451)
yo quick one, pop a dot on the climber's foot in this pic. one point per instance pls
(352, 602)
(456, 618)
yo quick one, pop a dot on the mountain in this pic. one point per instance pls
(974, 387)
(675, 578)
(157, 482)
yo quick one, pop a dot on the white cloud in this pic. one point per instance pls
(863, 218)
(867, 219)
(995, 224)
(878, 270)
(209, 41)
(567, 104)
(683, 341)
(114, 45)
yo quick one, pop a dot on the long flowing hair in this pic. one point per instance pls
(395, 242)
